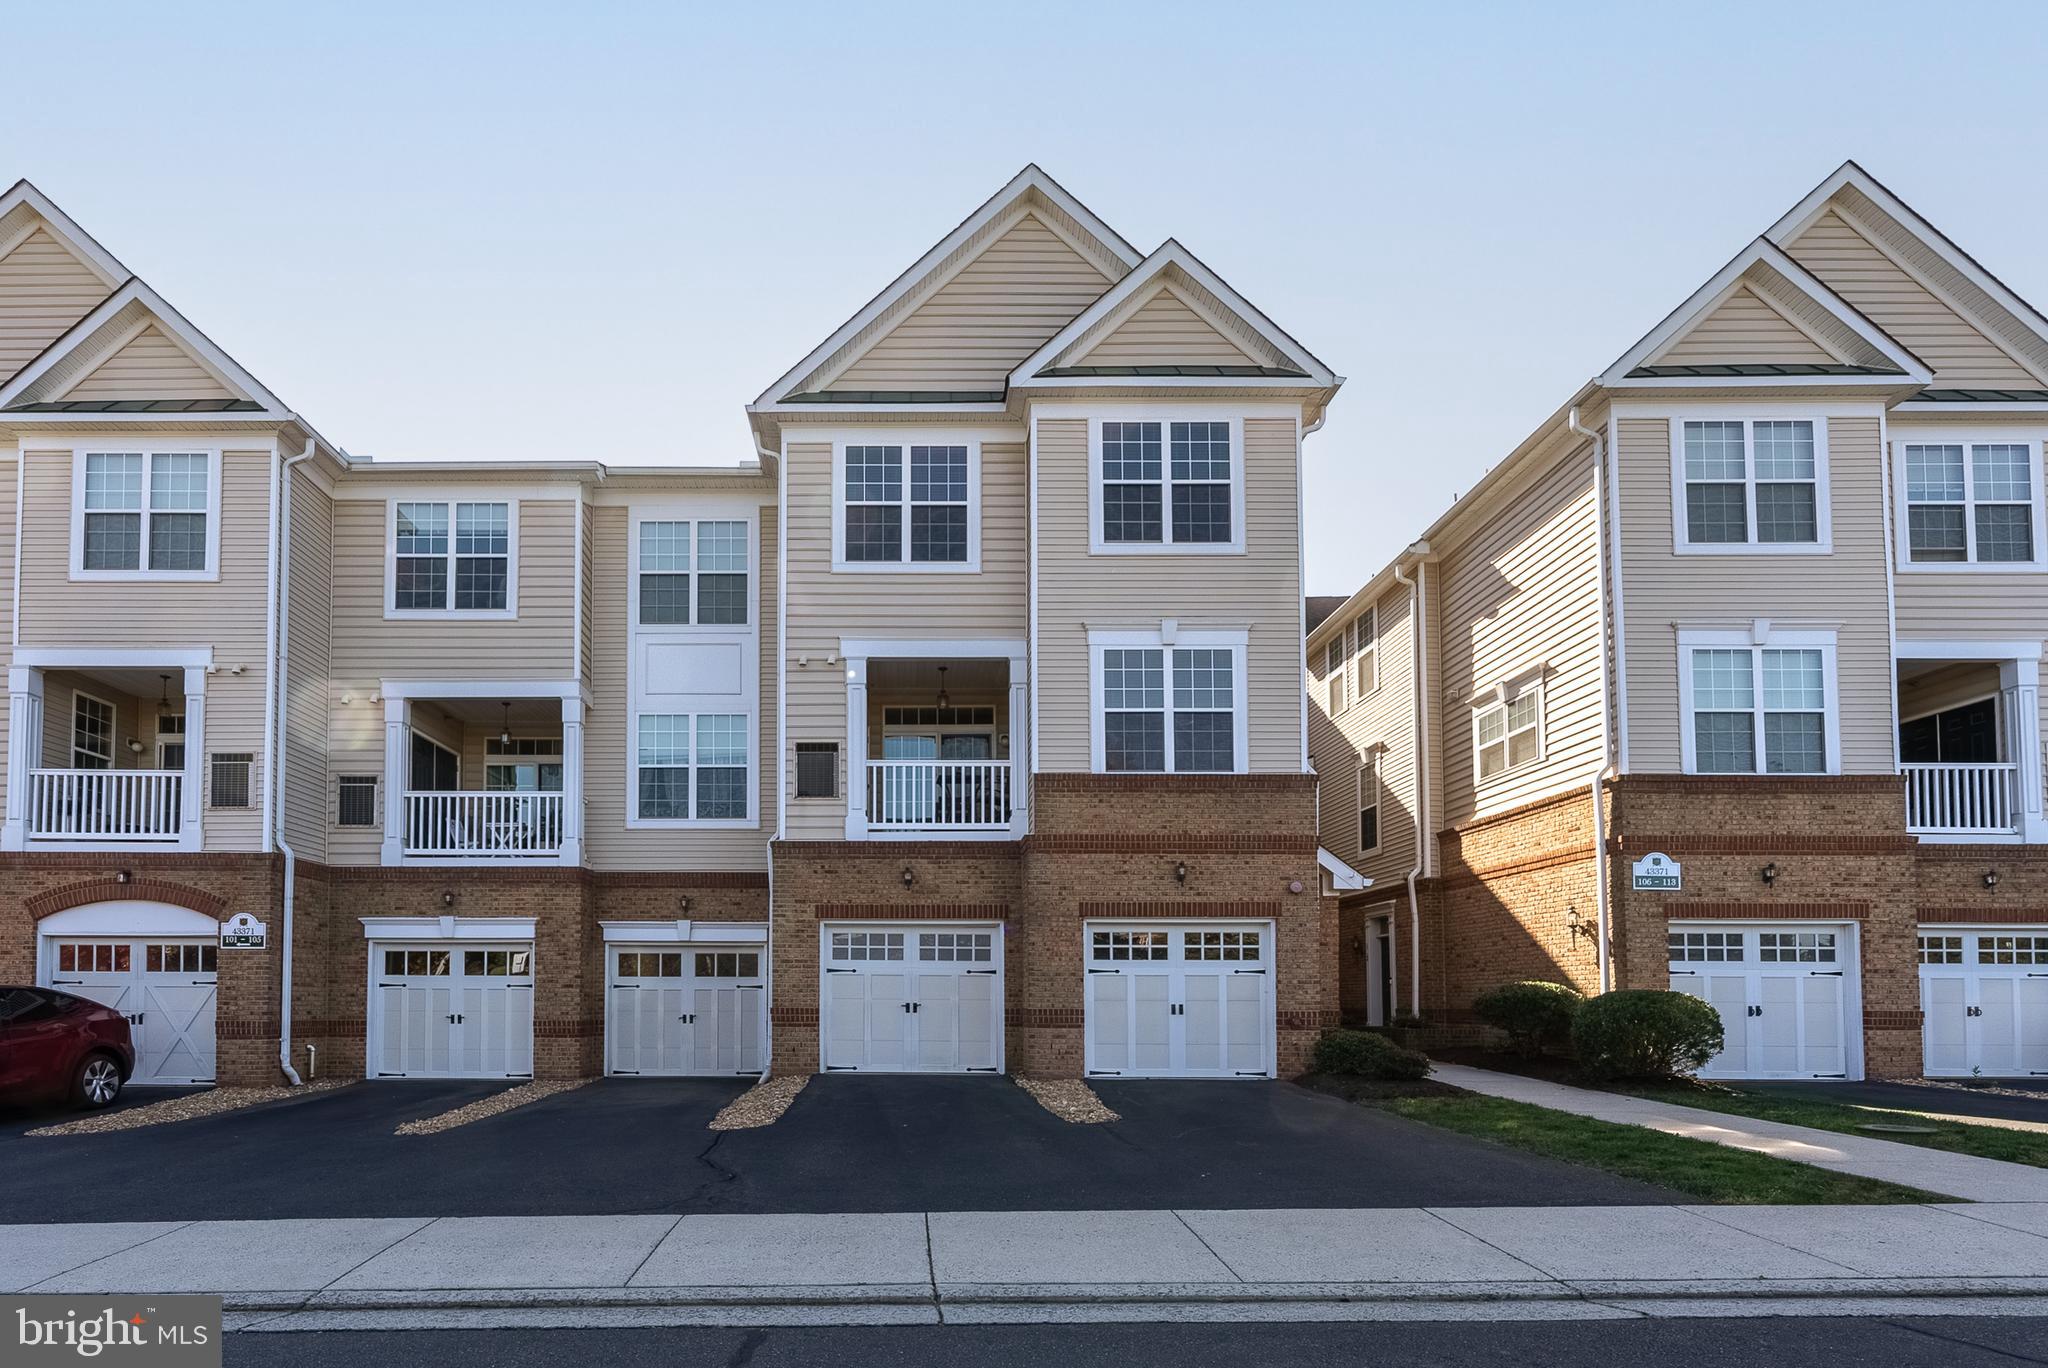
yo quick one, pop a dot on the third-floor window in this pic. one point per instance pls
(144, 514)
(1971, 503)
(452, 557)
(1752, 484)
(693, 572)
(1166, 484)
(908, 505)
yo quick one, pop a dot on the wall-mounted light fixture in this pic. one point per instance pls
(123, 876)
(1991, 878)
(1769, 873)
(447, 897)
(1578, 926)
(1180, 871)
(683, 904)
(908, 877)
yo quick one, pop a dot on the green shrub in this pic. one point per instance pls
(1534, 1014)
(1366, 1055)
(1645, 1033)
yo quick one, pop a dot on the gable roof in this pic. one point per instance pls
(1277, 359)
(1864, 354)
(1928, 255)
(1030, 192)
(21, 205)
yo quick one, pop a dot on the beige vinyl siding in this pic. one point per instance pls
(1164, 332)
(1843, 592)
(586, 590)
(1980, 602)
(607, 768)
(309, 795)
(1523, 591)
(1852, 267)
(150, 366)
(43, 291)
(229, 614)
(826, 607)
(1385, 717)
(1259, 590)
(977, 326)
(1744, 329)
(10, 471)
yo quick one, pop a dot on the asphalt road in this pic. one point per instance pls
(624, 1146)
(1932, 1342)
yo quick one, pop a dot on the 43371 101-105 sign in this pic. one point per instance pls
(243, 932)
(1656, 872)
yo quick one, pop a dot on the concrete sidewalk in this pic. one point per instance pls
(1500, 1262)
(1962, 1176)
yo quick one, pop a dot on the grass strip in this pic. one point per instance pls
(1953, 1137)
(1712, 1173)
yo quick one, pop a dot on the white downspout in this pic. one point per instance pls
(280, 590)
(1418, 650)
(1601, 912)
(781, 745)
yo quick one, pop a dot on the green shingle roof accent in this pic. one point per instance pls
(896, 397)
(1981, 396)
(1755, 368)
(142, 406)
(1250, 372)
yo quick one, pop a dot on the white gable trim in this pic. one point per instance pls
(76, 240)
(1026, 182)
(1172, 254)
(1724, 282)
(174, 325)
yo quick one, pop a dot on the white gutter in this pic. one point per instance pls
(1419, 652)
(782, 766)
(280, 622)
(1602, 497)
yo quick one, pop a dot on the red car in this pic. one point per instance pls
(54, 1045)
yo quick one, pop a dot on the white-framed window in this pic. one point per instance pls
(452, 558)
(692, 768)
(1750, 485)
(1336, 660)
(1507, 732)
(907, 502)
(1970, 501)
(1759, 706)
(1169, 707)
(1369, 802)
(145, 512)
(1166, 484)
(92, 732)
(692, 572)
(1365, 633)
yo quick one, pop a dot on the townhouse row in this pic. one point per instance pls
(1727, 679)
(956, 727)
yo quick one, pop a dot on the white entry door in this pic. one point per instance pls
(676, 1010)
(1783, 994)
(1984, 1002)
(912, 999)
(451, 1010)
(166, 987)
(1179, 1001)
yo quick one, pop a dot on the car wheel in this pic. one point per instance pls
(97, 1083)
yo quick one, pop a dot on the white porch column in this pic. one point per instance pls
(397, 761)
(2019, 684)
(192, 814)
(24, 750)
(572, 781)
(856, 748)
(1020, 750)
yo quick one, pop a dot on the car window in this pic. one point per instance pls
(20, 1004)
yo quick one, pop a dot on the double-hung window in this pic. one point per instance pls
(909, 504)
(92, 733)
(1369, 802)
(145, 514)
(692, 766)
(1507, 732)
(1366, 651)
(452, 557)
(1175, 709)
(679, 556)
(1758, 709)
(1972, 503)
(1166, 483)
(1751, 484)
(1335, 663)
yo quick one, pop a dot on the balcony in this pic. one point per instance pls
(494, 825)
(1980, 800)
(935, 740)
(1969, 741)
(106, 805)
(479, 773)
(938, 795)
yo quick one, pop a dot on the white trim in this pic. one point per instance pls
(1031, 534)
(148, 449)
(853, 649)
(1967, 438)
(1910, 648)
(905, 439)
(483, 496)
(113, 658)
(1167, 639)
(430, 689)
(1269, 958)
(1762, 636)
(75, 239)
(684, 931)
(1343, 878)
(447, 928)
(785, 757)
(135, 918)
(1824, 523)
(1166, 545)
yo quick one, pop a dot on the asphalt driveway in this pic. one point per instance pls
(2015, 1101)
(631, 1146)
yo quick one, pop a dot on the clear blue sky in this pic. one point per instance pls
(510, 230)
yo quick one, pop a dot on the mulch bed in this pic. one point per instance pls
(1352, 1088)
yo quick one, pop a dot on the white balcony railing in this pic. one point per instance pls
(1962, 800)
(938, 795)
(495, 825)
(105, 805)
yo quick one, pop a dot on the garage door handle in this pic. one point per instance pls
(689, 1019)
(830, 970)
(1824, 973)
(1754, 1011)
(1249, 971)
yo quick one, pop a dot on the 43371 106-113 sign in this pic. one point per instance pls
(1656, 872)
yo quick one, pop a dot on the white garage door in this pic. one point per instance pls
(166, 987)
(451, 1010)
(1984, 996)
(677, 1010)
(1179, 1001)
(912, 999)
(1784, 994)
